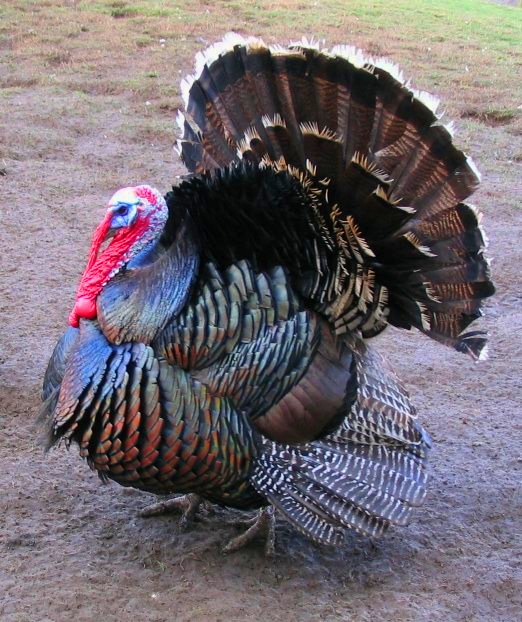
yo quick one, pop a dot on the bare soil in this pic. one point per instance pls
(72, 548)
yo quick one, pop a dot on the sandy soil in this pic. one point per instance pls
(72, 548)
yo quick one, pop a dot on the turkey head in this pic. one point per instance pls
(133, 283)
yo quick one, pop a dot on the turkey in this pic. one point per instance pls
(217, 346)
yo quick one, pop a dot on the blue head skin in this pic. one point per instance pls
(124, 207)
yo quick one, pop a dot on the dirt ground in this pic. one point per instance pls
(72, 548)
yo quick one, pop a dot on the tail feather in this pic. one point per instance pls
(384, 181)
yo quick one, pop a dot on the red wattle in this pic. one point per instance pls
(84, 307)
(101, 264)
(74, 320)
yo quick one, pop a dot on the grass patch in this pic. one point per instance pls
(58, 57)
(465, 51)
(119, 9)
(491, 117)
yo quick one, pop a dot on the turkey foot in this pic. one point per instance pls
(264, 524)
(187, 505)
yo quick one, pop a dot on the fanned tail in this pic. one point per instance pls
(384, 182)
(368, 474)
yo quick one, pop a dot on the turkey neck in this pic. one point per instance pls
(138, 302)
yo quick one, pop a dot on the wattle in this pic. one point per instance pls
(102, 265)
(84, 307)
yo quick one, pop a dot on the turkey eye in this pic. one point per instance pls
(122, 211)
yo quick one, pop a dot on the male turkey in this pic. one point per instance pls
(217, 343)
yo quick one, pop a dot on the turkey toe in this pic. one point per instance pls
(264, 525)
(186, 505)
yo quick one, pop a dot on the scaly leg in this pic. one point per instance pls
(263, 524)
(187, 505)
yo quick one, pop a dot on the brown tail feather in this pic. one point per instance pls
(384, 179)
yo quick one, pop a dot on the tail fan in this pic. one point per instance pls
(384, 181)
(368, 474)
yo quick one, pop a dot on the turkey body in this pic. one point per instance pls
(228, 357)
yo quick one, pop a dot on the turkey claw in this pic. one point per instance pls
(187, 505)
(263, 524)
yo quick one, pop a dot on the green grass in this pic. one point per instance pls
(122, 9)
(113, 46)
